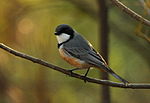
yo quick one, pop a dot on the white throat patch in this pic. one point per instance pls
(62, 37)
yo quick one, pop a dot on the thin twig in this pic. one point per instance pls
(145, 6)
(143, 36)
(92, 80)
(130, 12)
(139, 33)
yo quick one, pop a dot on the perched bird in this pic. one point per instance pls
(77, 51)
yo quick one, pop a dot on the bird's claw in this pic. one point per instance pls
(126, 83)
(85, 79)
(70, 72)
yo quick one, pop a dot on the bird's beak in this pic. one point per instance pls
(56, 33)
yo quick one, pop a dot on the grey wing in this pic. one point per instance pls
(80, 48)
(90, 57)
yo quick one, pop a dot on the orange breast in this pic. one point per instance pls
(73, 61)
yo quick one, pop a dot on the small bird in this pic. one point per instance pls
(79, 52)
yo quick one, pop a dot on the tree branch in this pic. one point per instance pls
(92, 80)
(130, 12)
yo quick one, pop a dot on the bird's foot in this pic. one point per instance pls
(125, 83)
(84, 79)
(70, 72)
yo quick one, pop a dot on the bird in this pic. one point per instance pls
(79, 52)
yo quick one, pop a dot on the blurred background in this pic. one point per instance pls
(28, 26)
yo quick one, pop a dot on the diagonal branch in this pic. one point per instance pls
(139, 33)
(75, 75)
(130, 12)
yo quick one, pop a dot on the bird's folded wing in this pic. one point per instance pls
(89, 56)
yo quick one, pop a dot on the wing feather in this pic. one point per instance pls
(83, 50)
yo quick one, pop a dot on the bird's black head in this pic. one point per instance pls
(64, 28)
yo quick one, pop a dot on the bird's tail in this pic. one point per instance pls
(119, 78)
(110, 71)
